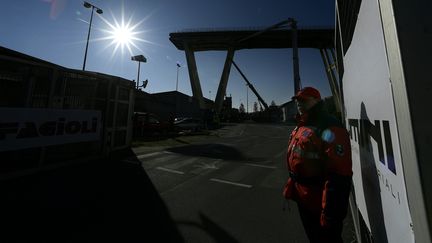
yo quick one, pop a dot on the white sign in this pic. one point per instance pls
(22, 128)
(377, 165)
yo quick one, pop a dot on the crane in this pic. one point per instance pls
(250, 86)
(293, 24)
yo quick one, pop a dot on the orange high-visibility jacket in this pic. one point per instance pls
(319, 164)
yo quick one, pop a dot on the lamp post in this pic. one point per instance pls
(178, 67)
(139, 59)
(99, 11)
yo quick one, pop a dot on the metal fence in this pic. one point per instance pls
(35, 95)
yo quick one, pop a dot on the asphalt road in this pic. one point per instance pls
(228, 188)
(223, 189)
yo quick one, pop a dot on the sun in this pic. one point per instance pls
(123, 34)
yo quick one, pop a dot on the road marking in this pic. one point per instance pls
(148, 155)
(183, 162)
(262, 166)
(212, 165)
(231, 183)
(142, 156)
(169, 170)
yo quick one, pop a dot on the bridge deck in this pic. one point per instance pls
(223, 40)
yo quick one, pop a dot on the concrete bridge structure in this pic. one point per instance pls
(232, 40)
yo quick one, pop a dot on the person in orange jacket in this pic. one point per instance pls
(320, 168)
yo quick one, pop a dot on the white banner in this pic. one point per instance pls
(377, 165)
(22, 128)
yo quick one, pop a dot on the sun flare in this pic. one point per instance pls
(123, 34)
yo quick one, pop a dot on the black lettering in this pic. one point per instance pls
(353, 128)
(380, 178)
(73, 127)
(7, 128)
(29, 131)
(48, 128)
(84, 127)
(391, 190)
(60, 126)
(389, 147)
(367, 130)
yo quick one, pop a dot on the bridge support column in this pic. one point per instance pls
(224, 81)
(193, 76)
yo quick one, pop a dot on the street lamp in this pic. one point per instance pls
(139, 59)
(99, 11)
(178, 67)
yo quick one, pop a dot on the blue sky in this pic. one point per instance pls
(56, 31)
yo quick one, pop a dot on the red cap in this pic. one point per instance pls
(306, 93)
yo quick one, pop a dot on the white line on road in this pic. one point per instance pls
(167, 152)
(169, 170)
(212, 165)
(181, 163)
(262, 166)
(231, 183)
(148, 155)
(142, 156)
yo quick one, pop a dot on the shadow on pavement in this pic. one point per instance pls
(213, 230)
(101, 201)
(217, 151)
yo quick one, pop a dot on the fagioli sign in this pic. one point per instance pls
(27, 128)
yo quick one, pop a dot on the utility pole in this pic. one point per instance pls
(297, 84)
(247, 98)
(178, 67)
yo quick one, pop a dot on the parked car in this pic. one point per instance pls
(149, 124)
(188, 124)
